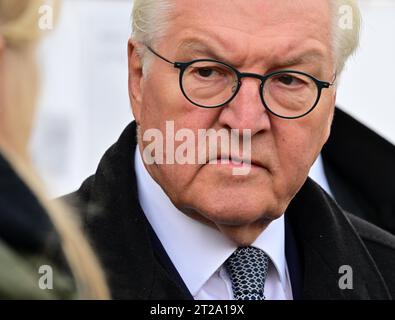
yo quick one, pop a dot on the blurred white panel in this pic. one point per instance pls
(84, 104)
(367, 86)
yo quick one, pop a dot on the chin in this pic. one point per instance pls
(238, 210)
(243, 236)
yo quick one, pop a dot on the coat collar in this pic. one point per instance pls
(137, 268)
(359, 165)
(328, 241)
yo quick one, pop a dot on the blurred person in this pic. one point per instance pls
(35, 233)
(172, 230)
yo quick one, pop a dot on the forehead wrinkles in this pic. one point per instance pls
(281, 54)
(237, 25)
(256, 15)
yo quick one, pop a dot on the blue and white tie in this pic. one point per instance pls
(247, 268)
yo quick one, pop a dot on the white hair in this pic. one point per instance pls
(345, 37)
(149, 22)
(150, 18)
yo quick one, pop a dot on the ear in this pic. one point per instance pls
(331, 114)
(334, 97)
(2, 48)
(135, 81)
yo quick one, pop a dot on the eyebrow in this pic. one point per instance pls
(196, 47)
(307, 57)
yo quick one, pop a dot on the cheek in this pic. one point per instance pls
(166, 109)
(312, 132)
(156, 102)
(298, 143)
(164, 102)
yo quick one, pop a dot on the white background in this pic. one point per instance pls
(84, 104)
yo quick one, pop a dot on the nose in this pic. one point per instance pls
(246, 110)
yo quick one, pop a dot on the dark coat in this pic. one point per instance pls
(28, 240)
(360, 168)
(137, 266)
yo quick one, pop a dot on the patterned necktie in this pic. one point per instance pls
(247, 268)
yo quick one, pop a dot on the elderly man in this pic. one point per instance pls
(179, 222)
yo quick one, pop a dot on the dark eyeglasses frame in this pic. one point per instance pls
(182, 66)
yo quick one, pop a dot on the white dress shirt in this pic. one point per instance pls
(198, 251)
(317, 173)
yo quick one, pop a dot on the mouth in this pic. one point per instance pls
(236, 161)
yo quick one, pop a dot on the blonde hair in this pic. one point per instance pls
(19, 21)
(149, 19)
(19, 29)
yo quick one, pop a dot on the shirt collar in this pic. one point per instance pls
(317, 173)
(197, 250)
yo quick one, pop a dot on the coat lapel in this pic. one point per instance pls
(328, 241)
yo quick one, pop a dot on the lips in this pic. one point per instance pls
(236, 161)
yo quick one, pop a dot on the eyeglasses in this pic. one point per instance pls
(208, 83)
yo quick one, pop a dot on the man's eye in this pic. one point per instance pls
(289, 80)
(205, 72)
